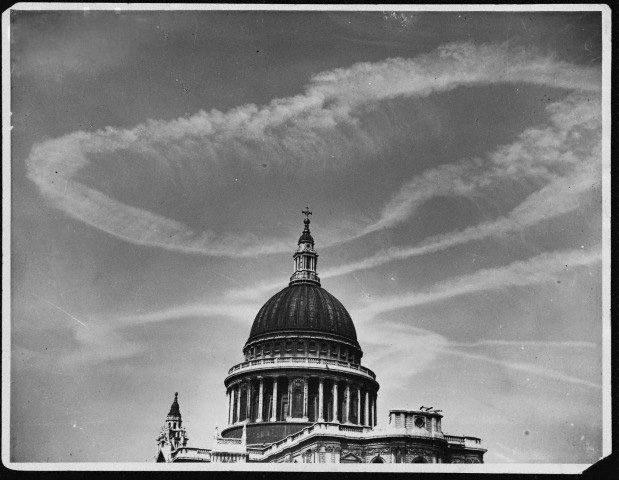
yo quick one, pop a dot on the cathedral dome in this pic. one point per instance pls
(304, 307)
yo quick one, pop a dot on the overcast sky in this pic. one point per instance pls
(160, 163)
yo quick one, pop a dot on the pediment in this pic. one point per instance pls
(350, 458)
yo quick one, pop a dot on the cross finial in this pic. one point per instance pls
(306, 212)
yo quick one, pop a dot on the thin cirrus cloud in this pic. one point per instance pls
(539, 269)
(304, 129)
(412, 350)
(552, 154)
(565, 155)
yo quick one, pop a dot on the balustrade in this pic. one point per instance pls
(302, 361)
(454, 439)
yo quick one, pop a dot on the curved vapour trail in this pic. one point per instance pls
(304, 128)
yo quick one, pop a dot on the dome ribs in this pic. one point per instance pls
(304, 307)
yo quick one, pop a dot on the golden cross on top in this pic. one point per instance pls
(306, 212)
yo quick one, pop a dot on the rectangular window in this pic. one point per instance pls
(409, 421)
(398, 420)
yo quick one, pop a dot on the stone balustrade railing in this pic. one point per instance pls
(454, 439)
(339, 365)
(229, 441)
(468, 442)
(191, 453)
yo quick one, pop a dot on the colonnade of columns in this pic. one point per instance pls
(301, 398)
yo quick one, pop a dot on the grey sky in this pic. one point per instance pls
(160, 161)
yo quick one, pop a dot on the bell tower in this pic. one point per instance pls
(305, 257)
(172, 435)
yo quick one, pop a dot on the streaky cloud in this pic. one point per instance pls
(539, 269)
(561, 153)
(302, 129)
(233, 310)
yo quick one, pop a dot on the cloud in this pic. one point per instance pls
(405, 351)
(566, 151)
(542, 268)
(526, 343)
(309, 129)
(566, 154)
(527, 368)
(99, 343)
(232, 310)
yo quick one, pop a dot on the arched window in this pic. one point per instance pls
(419, 459)
(378, 459)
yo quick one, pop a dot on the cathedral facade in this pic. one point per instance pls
(302, 394)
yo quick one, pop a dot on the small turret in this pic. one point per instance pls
(172, 435)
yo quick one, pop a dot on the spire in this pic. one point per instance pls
(305, 258)
(174, 409)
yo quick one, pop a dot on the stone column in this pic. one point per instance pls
(366, 410)
(260, 399)
(289, 412)
(335, 400)
(238, 403)
(346, 412)
(305, 397)
(230, 405)
(358, 405)
(320, 399)
(375, 413)
(248, 403)
(274, 417)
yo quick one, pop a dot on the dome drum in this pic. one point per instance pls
(264, 400)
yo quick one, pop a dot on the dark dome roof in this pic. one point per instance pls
(304, 306)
